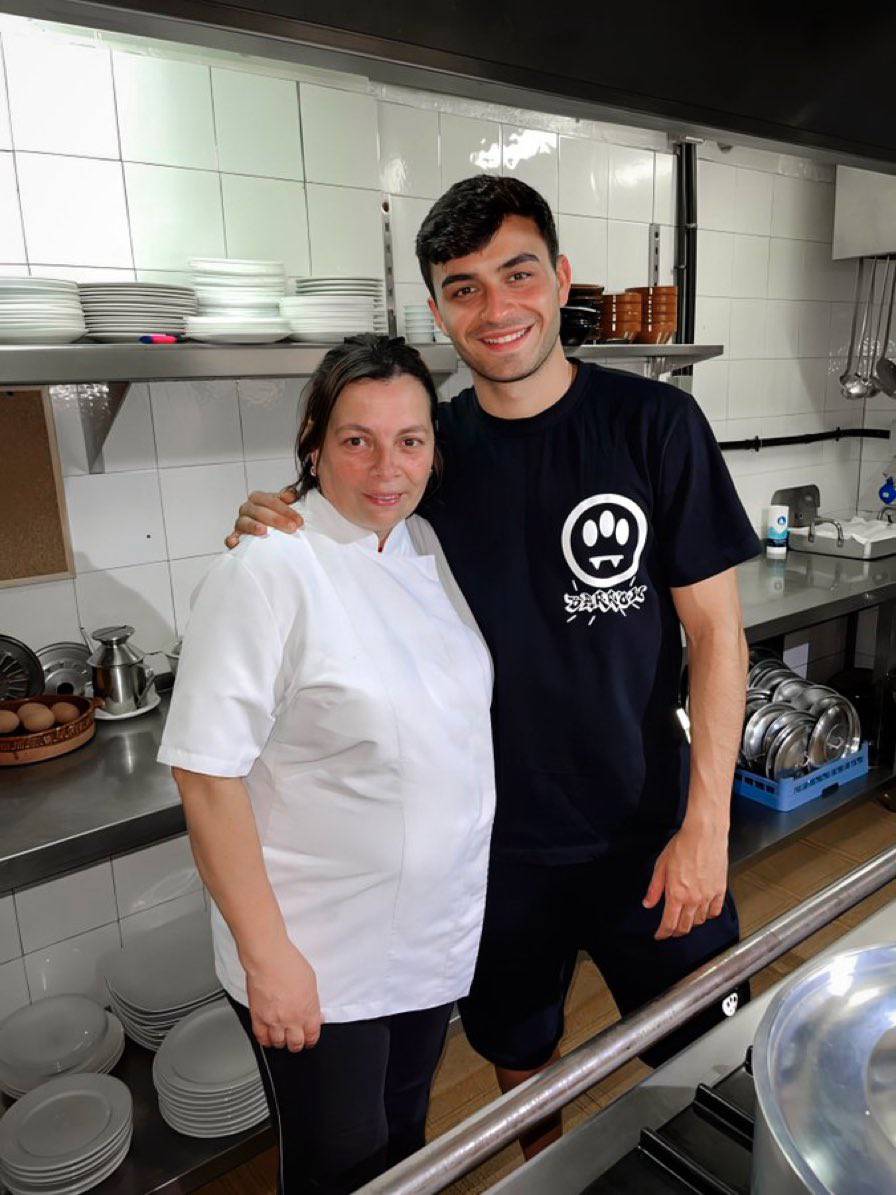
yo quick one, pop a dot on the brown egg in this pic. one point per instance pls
(27, 706)
(64, 711)
(8, 721)
(37, 719)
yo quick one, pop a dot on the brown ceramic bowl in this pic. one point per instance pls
(22, 747)
(658, 334)
(656, 291)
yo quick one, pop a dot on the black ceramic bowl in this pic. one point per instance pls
(577, 324)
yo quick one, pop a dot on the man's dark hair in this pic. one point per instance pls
(469, 214)
(357, 359)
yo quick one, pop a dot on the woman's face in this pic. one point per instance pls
(377, 455)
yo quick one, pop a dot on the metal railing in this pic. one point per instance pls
(491, 1128)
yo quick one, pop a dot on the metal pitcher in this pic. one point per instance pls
(120, 677)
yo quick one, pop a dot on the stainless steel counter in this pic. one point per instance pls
(112, 796)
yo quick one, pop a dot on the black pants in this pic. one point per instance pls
(353, 1105)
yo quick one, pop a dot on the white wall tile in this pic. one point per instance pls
(13, 987)
(152, 918)
(824, 278)
(715, 263)
(664, 174)
(407, 216)
(749, 270)
(753, 202)
(409, 151)
(469, 146)
(782, 323)
(164, 111)
(711, 388)
(139, 596)
(346, 230)
(583, 240)
(61, 99)
(72, 966)
(716, 191)
(257, 124)
(269, 412)
(10, 944)
(631, 184)
(84, 273)
(584, 177)
(130, 443)
(802, 209)
(196, 423)
(531, 155)
(5, 134)
(668, 276)
(748, 329)
(266, 218)
(160, 872)
(712, 324)
(749, 389)
(175, 215)
(39, 614)
(69, 430)
(270, 475)
(74, 210)
(787, 270)
(61, 908)
(339, 131)
(627, 255)
(103, 536)
(814, 329)
(171, 277)
(185, 576)
(200, 504)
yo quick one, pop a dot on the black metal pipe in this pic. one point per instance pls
(686, 244)
(757, 443)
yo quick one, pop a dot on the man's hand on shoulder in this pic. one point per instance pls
(692, 874)
(262, 510)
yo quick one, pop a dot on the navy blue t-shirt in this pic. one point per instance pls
(565, 532)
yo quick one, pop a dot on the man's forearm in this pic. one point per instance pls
(718, 661)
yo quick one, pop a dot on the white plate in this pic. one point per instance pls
(138, 289)
(49, 337)
(30, 285)
(238, 337)
(235, 265)
(57, 1174)
(208, 1052)
(150, 702)
(51, 1035)
(317, 337)
(79, 1182)
(204, 1105)
(168, 966)
(64, 1121)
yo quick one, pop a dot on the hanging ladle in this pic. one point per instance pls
(871, 385)
(885, 370)
(852, 384)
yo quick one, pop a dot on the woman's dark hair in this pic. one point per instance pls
(470, 213)
(357, 359)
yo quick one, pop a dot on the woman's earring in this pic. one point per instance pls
(313, 470)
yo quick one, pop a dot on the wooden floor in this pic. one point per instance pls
(763, 890)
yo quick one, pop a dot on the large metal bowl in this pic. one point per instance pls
(824, 1064)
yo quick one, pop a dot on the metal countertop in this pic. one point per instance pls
(111, 796)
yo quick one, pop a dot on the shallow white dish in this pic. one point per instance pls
(48, 337)
(63, 1122)
(235, 265)
(52, 1034)
(207, 1053)
(166, 967)
(150, 702)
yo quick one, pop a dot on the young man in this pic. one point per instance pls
(587, 515)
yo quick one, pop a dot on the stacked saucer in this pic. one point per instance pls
(161, 977)
(122, 312)
(66, 1136)
(206, 1076)
(419, 326)
(40, 311)
(328, 309)
(60, 1035)
(238, 300)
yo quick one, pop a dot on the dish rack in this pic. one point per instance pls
(792, 791)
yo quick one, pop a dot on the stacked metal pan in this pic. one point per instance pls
(792, 725)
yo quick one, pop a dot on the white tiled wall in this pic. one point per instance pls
(121, 161)
(52, 935)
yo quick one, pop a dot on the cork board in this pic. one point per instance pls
(34, 536)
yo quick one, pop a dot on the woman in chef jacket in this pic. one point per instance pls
(329, 732)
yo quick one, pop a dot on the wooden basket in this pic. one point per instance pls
(45, 744)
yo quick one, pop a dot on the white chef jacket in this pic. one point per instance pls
(353, 697)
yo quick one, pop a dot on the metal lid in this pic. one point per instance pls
(823, 1066)
(113, 635)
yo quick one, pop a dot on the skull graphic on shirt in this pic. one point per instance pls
(603, 538)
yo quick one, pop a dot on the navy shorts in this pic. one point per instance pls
(537, 919)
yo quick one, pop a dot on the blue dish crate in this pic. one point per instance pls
(792, 791)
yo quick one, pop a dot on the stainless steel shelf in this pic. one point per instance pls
(43, 365)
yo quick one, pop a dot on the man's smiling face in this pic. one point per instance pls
(501, 304)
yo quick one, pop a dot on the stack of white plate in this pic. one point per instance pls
(161, 977)
(439, 336)
(419, 326)
(238, 300)
(329, 309)
(122, 312)
(66, 1136)
(40, 311)
(206, 1076)
(60, 1035)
